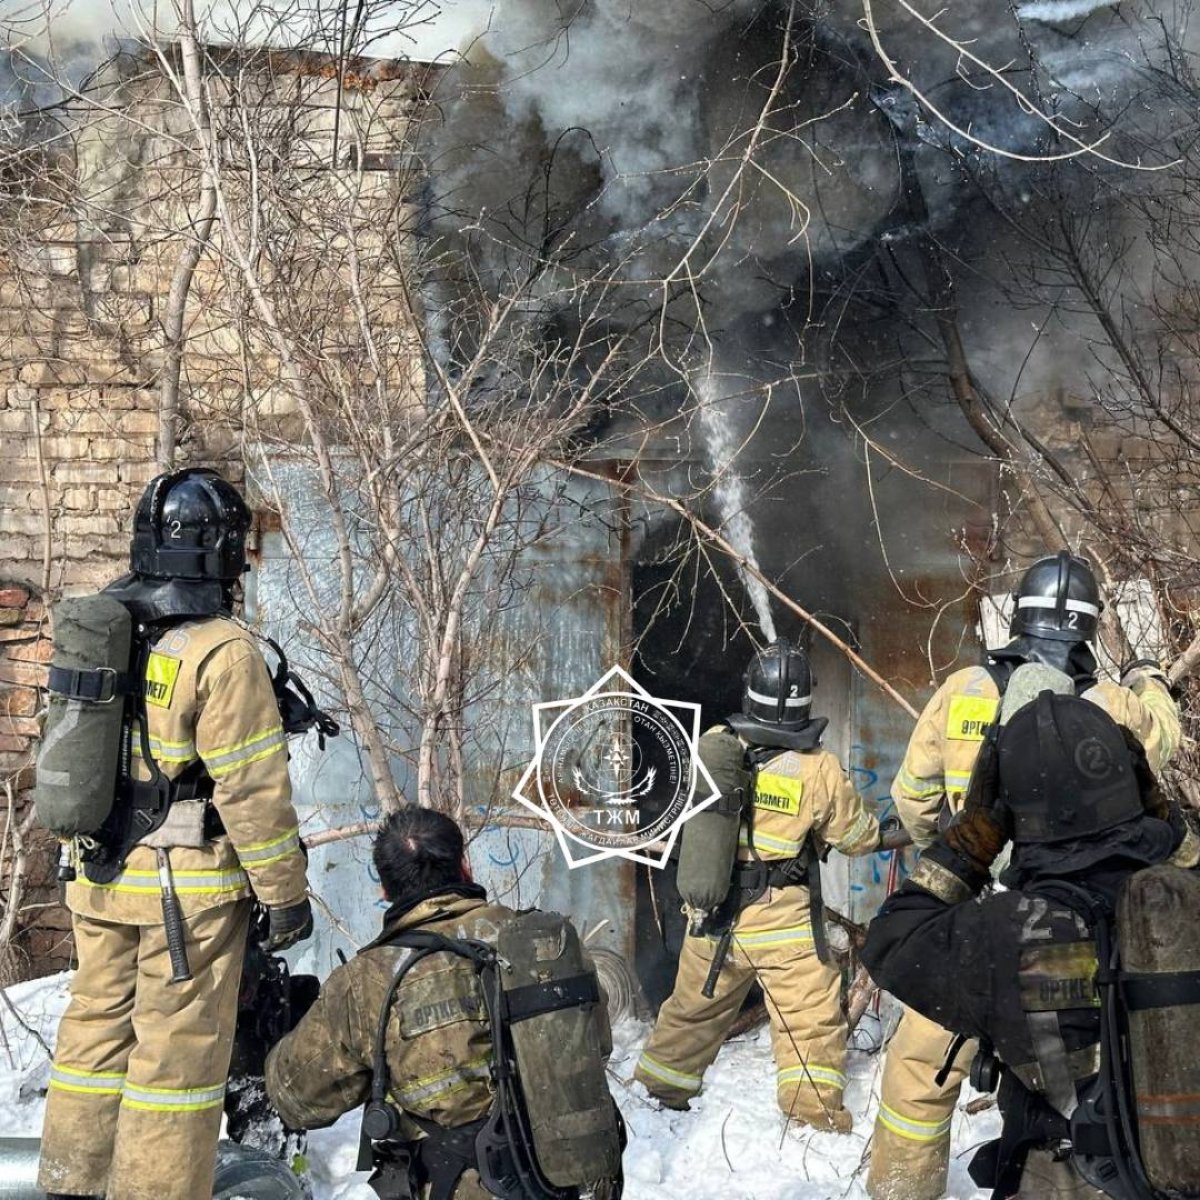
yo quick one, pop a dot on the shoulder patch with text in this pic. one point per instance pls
(161, 673)
(778, 793)
(969, 716)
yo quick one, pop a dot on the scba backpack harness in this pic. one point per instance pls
(1134, 1134)
(553, 1131)
(97, 706)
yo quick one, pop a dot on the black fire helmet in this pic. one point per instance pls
(1066, 770)
(778, 686)
(190, 525)
(1058, 598)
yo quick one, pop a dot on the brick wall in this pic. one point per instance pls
(84, 272)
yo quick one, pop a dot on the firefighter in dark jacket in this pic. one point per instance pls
(1056, 611)
(134, 1105)
(1017, 969)
(438, 1042)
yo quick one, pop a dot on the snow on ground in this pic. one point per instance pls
(731, 1146)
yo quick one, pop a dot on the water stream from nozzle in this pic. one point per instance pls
(717, 424)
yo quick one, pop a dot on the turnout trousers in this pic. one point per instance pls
(773, 944)
(138, 1078)
(910, 1148)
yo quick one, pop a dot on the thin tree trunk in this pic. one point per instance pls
(190, 252)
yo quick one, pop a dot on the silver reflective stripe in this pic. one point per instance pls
(678, 1079)
(789, 701)
(431, 1088)
(813, 1073)
(911, 1128)
(173, 1099)
(1081, 606)
(259, 746)
(269, 852)
(104, 1083)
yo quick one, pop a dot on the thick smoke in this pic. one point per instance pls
(636, 138)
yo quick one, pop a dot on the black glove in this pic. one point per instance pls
(287, 926)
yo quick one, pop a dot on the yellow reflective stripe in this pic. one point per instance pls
(764, 841)
(678, 1079)
(263, 853)
(957, 779)
(813, 1073)
(91, 1083)
(431, 1087)
(912, 1129)
(193, 883)
(262, 745)
(152, 1099)
(774, 937)
(918, 787)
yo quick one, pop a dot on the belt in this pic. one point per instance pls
(775, 873)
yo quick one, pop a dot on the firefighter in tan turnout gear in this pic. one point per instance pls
(1057, 608)
(749, 876)
(139, 1071)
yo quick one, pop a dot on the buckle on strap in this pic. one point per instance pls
(97, 685)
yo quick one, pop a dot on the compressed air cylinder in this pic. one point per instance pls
(1158, 933)
(77, 764)
(560, 1054)
(708, 842)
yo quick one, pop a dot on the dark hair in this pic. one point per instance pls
(416, 850)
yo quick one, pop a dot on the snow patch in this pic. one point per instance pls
(732, 1145)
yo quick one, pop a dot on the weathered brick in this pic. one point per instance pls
(78, 499)
(85, 472)
(15, 551)
(66, 446)
(13, 596)
(92, 524)
(19, 420)
(26, 673)
(139, 422)
(39, 651)
(15, 496)
(137, 446)
(11, 618)
(51, 371)
(17, 464)
(85, 422)
(29, 727)
(17, 521)
(20, 631)
(139, 471)
(12, 744)
(19, 702)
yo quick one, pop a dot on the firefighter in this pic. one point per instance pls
(797, 801)
(1055, 617)
(418, 1032)
(1018, 970)
(137, 1082)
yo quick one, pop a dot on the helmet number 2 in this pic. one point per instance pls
(1072, 620)
(177, 524)
(794, 691)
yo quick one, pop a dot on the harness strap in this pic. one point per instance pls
(1159, 990)
(534, 999)
(98, 685)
